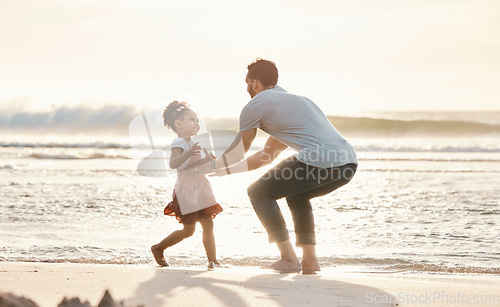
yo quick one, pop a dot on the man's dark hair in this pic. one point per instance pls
(263, 70)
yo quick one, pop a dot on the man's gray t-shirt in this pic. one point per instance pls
(297, 122)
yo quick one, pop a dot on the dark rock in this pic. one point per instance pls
(73, 302)
(12, 300)
(107, 301)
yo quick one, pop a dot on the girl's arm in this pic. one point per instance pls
(208, 158)
(178, 156)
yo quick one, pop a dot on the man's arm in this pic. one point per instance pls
(243, 140)
(266, 156)
(233, 154)
(237, 150)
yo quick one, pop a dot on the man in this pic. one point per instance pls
(324, 162)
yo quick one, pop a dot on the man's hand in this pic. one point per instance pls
(219, 173)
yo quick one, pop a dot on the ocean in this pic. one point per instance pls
(423, 199)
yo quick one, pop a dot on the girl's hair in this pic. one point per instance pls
(174, 111)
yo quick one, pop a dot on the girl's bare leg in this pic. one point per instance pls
(174, 238)
(209, 239)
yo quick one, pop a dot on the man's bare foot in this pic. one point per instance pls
(310, 267)
(158, 254)
(286, 266)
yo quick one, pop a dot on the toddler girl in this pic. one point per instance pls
(191, 190)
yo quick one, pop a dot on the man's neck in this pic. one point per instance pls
(265, 88)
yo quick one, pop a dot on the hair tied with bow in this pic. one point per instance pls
(180, 108)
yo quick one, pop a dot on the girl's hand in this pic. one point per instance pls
(195, 150)
(208, 157)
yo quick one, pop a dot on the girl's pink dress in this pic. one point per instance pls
(193, 191)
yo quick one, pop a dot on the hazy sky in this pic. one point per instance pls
(345, 55)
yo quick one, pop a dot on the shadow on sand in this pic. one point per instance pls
(230, 287)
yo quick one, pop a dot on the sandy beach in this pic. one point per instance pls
(48, 283)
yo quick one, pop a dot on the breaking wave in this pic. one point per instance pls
(67, 119)
(116, 119)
